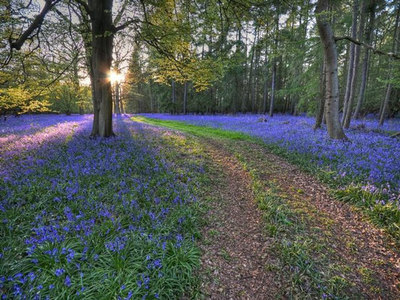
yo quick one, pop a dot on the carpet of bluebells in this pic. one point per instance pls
(91, 218)
(370, 158)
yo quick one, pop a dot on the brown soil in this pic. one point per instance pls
(235, 251)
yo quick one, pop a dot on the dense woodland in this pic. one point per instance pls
(199, 57)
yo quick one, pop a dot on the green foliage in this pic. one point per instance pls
(68, 98)
(20, 100)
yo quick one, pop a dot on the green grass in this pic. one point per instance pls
(200, 131)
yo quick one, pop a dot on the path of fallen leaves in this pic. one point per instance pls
(235, 252)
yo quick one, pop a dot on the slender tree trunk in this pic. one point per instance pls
(117, 100)
(102, 46)
(349, 110)
(265, 95)
(251, 91)
(121, 105)
(273, 80)
(335, 130)
(185, 89)
(244, 94)
(173, 96)
(350, 69)
(365, 64)
(396, 37)
(274, 66)
(321, 105)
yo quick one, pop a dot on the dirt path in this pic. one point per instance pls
(235, 252)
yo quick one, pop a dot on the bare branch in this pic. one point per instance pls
(84, 5)
(126, 24)
(121, 12)
(37, 22)
(374, 50)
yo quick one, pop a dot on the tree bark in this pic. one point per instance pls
(320, 112)
(265, 95)
(349, 111)
(350, 69)
(185, 89)
(396, 37)
(173, 96)
(334, 127)
(365, 64)
(251, 91)
(117, 100)
(273, 80)
(102, 46)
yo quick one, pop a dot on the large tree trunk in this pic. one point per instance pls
(334, 127)
(385, 102)
(365, 64)
(102, 46)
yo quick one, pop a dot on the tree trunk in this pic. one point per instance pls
(320, 113)
(265, 95)
(350, 69)
(271, 104)
(185, 88)
(173, 96)
(121, 105)
(365, 64)
(396, 37)
(117, 99)
(334, 127)
(273, 80)
(244, 84)
(349, 111)
(102, 45)
(251, 90)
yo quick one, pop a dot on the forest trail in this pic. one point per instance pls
(273, 231)
(235, 247)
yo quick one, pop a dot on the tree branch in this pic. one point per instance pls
(374, 50)
(37, 22)
(84, 5)
(126, 24)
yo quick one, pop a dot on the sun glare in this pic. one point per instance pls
(116, 77)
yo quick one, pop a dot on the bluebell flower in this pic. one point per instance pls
(67, 281)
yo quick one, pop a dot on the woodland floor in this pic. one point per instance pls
(273, 231)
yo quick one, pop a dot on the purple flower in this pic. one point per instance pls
(59, 272)
(67, 281)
